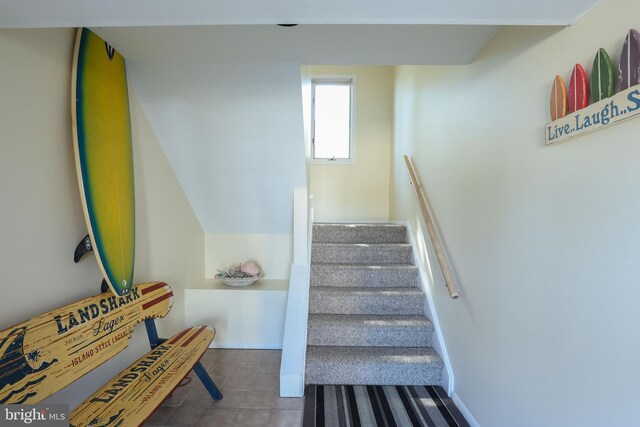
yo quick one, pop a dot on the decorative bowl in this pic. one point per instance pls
(238, 282)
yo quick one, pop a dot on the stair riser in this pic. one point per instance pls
(373, 374)
(353, 335)
(357, 254)
(359, 234)
(330, 303)
(366, 315)
(357, 276)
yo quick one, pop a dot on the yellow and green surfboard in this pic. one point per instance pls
(104, 157)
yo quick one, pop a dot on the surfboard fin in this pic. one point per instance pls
(104, 287)
(83, 247)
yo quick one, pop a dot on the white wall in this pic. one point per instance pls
(543, 240)
(233, 133)
(169, 240)
(41, 218)
(360, 191)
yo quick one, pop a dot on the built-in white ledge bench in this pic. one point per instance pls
(244, 317)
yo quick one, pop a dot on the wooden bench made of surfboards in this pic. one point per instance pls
(45, 354)
(131, 397)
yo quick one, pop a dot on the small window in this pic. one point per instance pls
(332, 119)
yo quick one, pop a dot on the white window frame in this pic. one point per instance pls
(335, 78)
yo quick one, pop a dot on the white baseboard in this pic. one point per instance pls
(357, 221)
(439, 346)
(246, 345)
(464, 410)
(291, 385)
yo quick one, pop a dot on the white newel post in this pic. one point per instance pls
(295, 329)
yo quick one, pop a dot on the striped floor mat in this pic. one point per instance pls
(369, 406)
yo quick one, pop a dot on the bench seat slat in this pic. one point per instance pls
(45, 354)
(132, 396)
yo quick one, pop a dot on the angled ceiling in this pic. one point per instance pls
(441, 32)
(304, 44)
(100, 13)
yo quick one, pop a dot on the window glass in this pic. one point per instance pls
(332, 120)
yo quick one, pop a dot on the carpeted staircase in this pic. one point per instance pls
(366, 313)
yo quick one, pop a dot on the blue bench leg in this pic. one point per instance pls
(207, 381)
(152, 333)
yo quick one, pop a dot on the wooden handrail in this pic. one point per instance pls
(442, 260)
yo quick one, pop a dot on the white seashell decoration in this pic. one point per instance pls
(250, 268)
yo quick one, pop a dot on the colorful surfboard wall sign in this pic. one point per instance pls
(629, 68)
(578, 89)
(601, 76)
(103, 154)
(558, 104)
(606, 107)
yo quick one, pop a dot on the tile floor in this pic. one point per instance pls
(249, 381)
